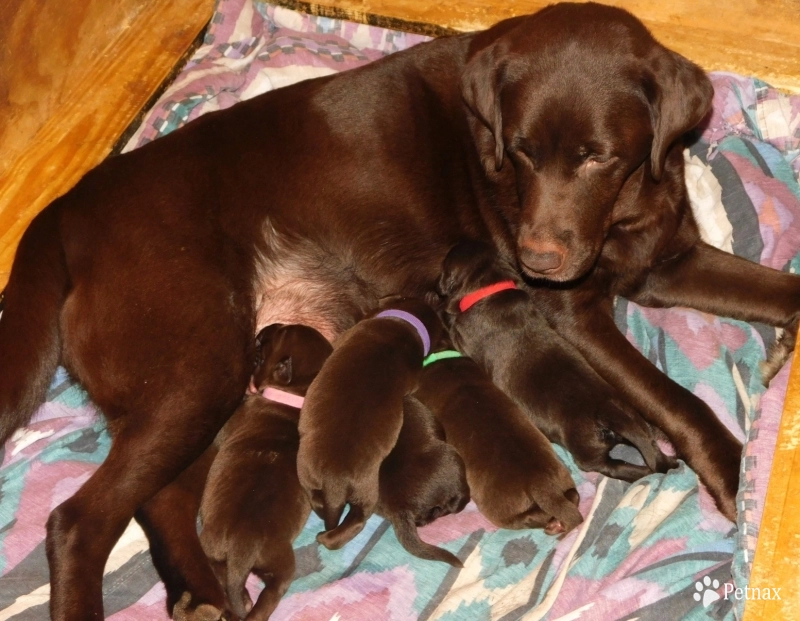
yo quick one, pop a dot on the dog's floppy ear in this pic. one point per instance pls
(480, 88)
(680, 96)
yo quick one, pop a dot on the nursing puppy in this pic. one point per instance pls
(253, 507)
(514, 475)
(550, 380)
(422, 479)
(354, 411)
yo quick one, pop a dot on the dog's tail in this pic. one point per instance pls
(407, 535)
(30, 342)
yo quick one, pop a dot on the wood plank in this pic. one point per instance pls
(777, 560)
(752, 37)
(74, 77)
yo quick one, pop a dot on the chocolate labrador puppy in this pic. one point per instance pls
(354, 411)
(561, 394)
(557, 137)
(253, 507)
(422, 479)
(514, 475)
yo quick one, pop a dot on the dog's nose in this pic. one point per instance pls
(542, 257)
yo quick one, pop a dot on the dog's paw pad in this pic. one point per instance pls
(204, 612)
(705, 591)
(554, 527)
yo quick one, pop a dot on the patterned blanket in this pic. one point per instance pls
(656, 548)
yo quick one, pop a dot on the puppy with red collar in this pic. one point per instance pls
(253, 507)
(566, 399)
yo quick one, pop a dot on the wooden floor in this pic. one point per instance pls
(73, 75)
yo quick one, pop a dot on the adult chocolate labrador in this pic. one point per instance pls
(555, 136)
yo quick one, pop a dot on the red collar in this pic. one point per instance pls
(468, 300)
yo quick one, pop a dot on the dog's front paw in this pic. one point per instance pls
(780, 351)
(184, 611)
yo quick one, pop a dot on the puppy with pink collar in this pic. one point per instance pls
(253, 507)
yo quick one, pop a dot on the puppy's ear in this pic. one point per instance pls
(282, 372)
(267, 334)
(680, 95)
(480, 88)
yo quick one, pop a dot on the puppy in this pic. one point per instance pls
(514, 475)
(354, 411)
(253, 507)
(422, 479)
(553, 384)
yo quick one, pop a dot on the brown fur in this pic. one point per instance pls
(514, 475)
(353, 414)
(253, 507)
(551, 382)
(555, 137)
(422, 479)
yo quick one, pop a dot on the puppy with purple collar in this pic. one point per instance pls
(488, 316)
(253, 507)
(353, 413)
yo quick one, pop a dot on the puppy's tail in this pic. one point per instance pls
(407, 535)
(30, 341)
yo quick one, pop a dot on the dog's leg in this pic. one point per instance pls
(352, 524)
(720, 283)
(146, 454)
(698, 435)
(169, 520)
(277, 579)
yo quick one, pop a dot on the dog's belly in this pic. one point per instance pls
(299, 283)
(294, 298)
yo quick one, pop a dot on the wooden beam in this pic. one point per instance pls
(751, 37)
(777, 560)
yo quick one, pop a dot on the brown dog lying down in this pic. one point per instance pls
(253, 507)
(556, 137)
(552, 383)
(514, 475)
(422, 479)
(354, 411)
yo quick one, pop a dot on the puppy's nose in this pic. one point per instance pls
(542, 257)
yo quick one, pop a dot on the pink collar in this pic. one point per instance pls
(471, 298)
(281, 396)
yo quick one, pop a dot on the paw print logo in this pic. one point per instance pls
(706, 590)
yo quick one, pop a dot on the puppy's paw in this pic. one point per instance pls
(554, 527)
(183, 611)
(780, 351)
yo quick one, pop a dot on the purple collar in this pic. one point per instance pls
(418, 325)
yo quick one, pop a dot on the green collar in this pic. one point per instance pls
(441, 355)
